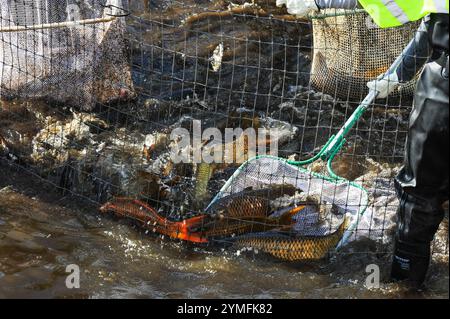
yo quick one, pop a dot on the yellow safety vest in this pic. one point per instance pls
(393, 13)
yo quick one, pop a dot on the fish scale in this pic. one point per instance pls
(246, 206)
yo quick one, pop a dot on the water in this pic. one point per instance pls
(41, 233)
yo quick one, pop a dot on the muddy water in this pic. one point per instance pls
(42, 232)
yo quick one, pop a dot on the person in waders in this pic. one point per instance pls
(422, 184)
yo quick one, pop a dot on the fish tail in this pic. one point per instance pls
(337, 235)
(344, 226)
(181, 230)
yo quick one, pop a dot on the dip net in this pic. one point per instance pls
(327, 200)
(67, 52)
(350, 50)
(95, 93)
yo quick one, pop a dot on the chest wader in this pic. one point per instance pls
(422, 184)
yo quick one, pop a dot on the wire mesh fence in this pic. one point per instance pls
(93, 93)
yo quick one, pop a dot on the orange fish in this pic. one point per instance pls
(150, 219)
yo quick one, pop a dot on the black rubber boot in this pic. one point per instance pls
(418, 221)
(410, 263)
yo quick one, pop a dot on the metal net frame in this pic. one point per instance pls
(218, 63)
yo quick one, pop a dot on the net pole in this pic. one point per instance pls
(57, 25)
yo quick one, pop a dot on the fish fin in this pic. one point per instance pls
(345, 225)
(183, 230)
(191, 237)
(296, 210)
(192, 222)
(286, 218)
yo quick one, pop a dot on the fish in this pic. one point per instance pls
(241, 207)
(151, 220)
(204, 173)
(249, 203)
(292, 248)
(229, 226)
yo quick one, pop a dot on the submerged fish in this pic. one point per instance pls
(204, 173)
(151, 220)
(293, 248)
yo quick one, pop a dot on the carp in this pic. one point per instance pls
(293, 248)
(249, 203)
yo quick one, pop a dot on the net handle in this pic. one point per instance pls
(338, 140)
(57, 25)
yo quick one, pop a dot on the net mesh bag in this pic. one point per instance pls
(64, 51)
(350, 50)
(335, 199)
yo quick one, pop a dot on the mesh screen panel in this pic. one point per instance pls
(90, 107)
(57, 50)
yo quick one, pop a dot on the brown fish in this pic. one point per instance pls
(249, 203)
(293, 248)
